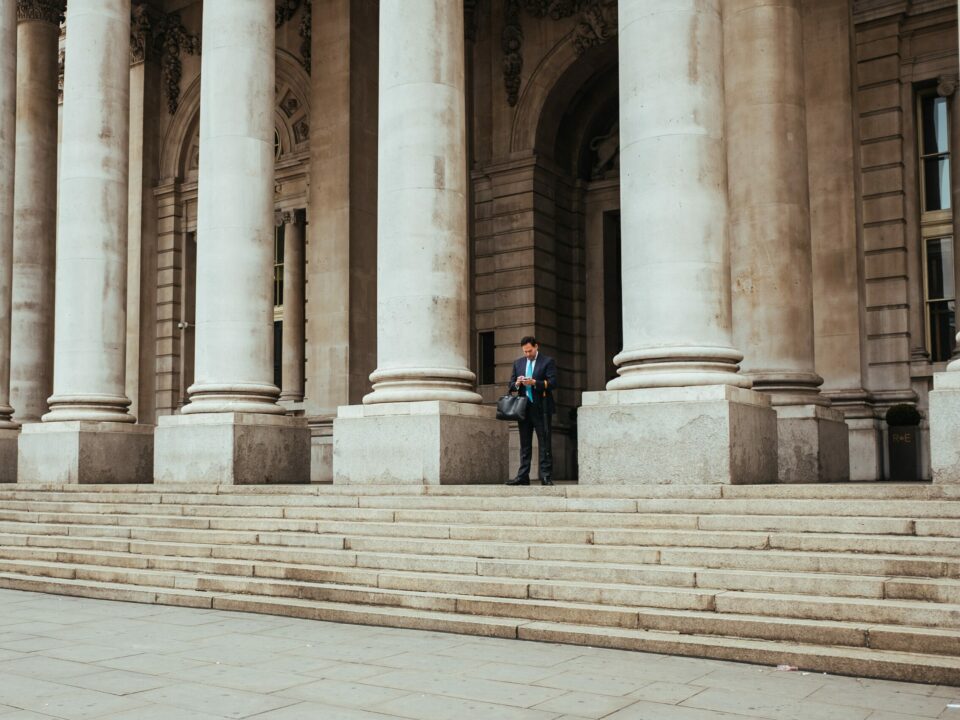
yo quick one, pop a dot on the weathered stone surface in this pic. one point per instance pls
(427, 443)
(85, 452)
(814, 444)
(695, 435)
(232, 449)
(945, 428)
(8, 455)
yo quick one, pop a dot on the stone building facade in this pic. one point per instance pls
(291, 240)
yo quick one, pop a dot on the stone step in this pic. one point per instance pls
(881, 490)
(553, 609)
(886, 612)
(913, 667)
(916, 507)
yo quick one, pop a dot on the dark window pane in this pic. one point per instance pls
(486, 346)
(943, 330)
(278, 353)
(936, 183)
(940, 270)
(935, 128)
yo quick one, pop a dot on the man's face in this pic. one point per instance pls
(530, 351)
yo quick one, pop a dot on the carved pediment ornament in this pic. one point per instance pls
(50, 11)
(947, 85)
(596, 24)
(162, 37)
(286, 9)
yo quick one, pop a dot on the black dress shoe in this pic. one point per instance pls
(547, 481)
(517, 481)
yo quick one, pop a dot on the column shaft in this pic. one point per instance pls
(8, 121)
(293, 310)
(35, 215)
(676, 282)
(235, 221)
(422, 280)
(90, 327)
(769, 201)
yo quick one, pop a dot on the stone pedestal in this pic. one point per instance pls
(70, 452)
(419, 443)
(813, 444)
(8, 455)
(712, 434)
(945, 428)
(232, 449)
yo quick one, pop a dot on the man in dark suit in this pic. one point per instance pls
(535, 375)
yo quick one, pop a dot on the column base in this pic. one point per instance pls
(813, 444)
(945, 428)
(711, 434)
(81, 451)
(9, 438)
(419, 443)
(232, 449)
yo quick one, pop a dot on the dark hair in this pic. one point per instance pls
(903, 414)
(529, 340)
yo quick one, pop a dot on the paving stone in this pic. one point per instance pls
(666, 692)
(117, 682)
(585, 704)
(499, 693)
(419, 706)
(342, 693)
(772, 705)
(213, 700)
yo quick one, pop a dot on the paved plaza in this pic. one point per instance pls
(76, 658)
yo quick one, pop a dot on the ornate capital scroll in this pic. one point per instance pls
(158, 36)
(50, 11)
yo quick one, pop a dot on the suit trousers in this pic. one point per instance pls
(538, 421)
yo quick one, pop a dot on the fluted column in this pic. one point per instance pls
(90, 327)
(8, 121)
(235, 220)
(233, 431)
(422, 255)
(679, 389)
(293, 308)
(771, 253)
(35, 208)
(423, 423)
(676, 289)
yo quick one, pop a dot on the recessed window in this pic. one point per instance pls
(278, 268)
(487, 364)
(936, 224)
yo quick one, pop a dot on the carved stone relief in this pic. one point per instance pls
(286, 10)
(162, 37)
(50, 11)
(596, 24)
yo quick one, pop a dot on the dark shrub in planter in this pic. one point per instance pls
(903, 442)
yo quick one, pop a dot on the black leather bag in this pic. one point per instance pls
(512, 407)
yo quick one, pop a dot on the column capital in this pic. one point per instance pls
(50, 11)
(161, 37)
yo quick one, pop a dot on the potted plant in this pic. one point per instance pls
(903, 442)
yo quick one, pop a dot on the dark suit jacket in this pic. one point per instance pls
(545, 374)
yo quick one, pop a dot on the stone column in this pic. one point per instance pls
(945, 397)
(88, 435)
(423, 422)
(293, 308)
(8, 121)
(233, 430)
(35, 208)
(679, 388)
(771, 253)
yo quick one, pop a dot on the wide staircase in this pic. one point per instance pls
(852, 579)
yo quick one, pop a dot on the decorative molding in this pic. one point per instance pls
(50, 11)
(61, 63)
(306, 35)
(596, 24)
(947, 85)
(286, 9)
(162, 37)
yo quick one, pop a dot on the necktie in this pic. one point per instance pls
(529, 387)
